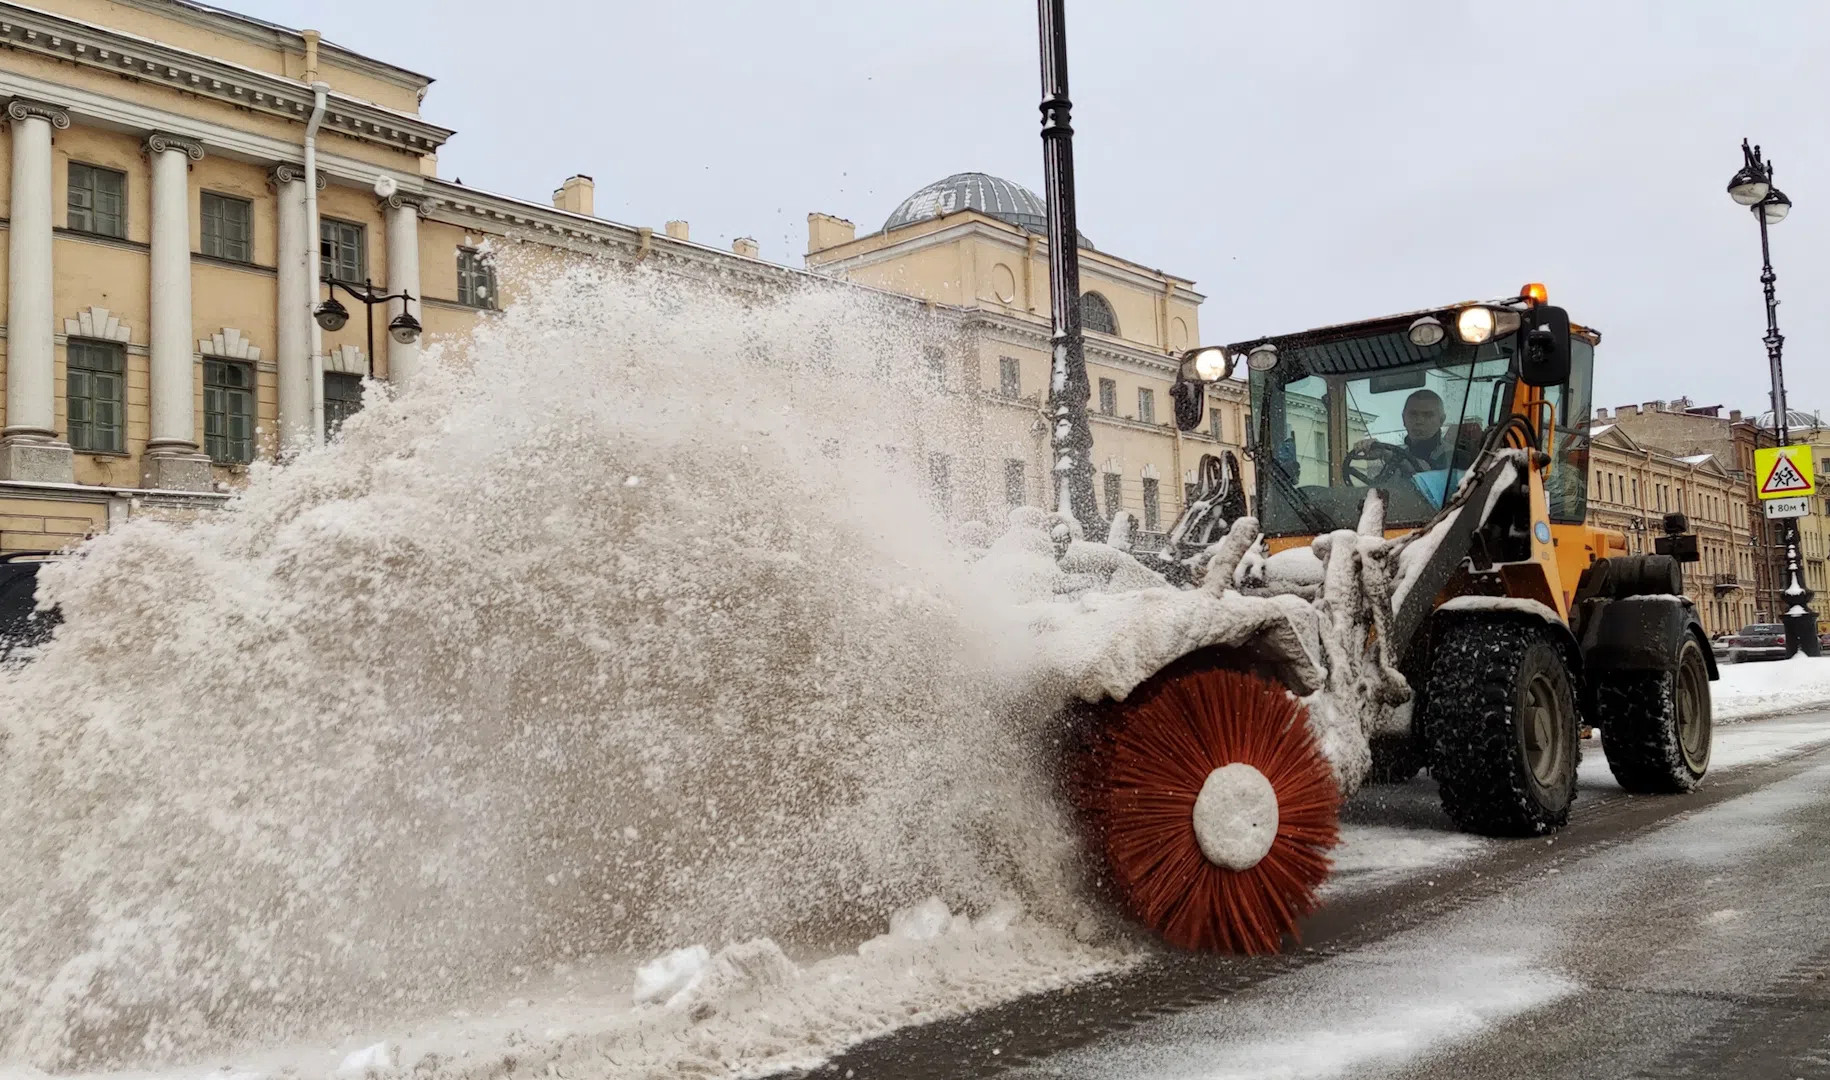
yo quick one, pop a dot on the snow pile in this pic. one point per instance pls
(608, 638)
(1771, 686)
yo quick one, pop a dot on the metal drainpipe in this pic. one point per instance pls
(320, 91)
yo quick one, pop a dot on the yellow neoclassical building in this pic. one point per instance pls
(978, 243)
(164, 170)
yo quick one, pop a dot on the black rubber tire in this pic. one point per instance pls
(1396, 759)
(1643, 717)
(1490, 678)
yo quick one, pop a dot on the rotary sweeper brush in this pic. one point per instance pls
(1415, 589)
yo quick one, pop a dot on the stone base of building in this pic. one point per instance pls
(175, 470)
(36, 460)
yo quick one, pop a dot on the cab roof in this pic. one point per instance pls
(1386, 324)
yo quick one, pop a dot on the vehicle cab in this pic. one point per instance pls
(1405, 403)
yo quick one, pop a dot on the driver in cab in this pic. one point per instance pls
(1425, 448)
(1423, 441)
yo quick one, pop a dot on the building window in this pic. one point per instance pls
(937, 366)
(1108, 397)
(97, 390)
(228, 223)
(342, 400)
(1213, 421)
(1010, 377)
(1096, 314)
(342, 252)
(1152, 508)
(940, 480)
(476, 279)
(1015, 489)
(228, 411)
(98, 202)
(1146, 404)
(1114, 495)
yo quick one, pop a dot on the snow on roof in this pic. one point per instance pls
(1600, 431)
(1696, 459)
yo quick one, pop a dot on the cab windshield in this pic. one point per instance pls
(1337, 418)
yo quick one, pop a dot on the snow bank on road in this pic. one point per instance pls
(1772, 686)
(746, 1010)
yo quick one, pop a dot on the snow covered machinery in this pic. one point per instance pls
(1416, 588)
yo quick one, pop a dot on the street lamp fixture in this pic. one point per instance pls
(333, 316)
(1753, 188)
(1750, 185)
(1775, 207)
(404, 329)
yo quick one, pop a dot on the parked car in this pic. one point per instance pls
(1757, 641)
(21, 625)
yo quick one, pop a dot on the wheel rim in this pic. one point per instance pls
(1541, 731)
(1693, 712)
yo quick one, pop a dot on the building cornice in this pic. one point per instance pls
(261, 32)
(489, 213)
(118, 114)
(1091, 264)
(99, 48)
(1034, 332)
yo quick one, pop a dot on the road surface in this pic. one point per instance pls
(1654, 938)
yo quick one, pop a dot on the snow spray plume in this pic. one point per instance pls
(611, 634)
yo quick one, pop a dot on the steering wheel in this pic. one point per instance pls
(1394, 460)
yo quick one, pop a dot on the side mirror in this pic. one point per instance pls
(1546, 358)
(1190, 400)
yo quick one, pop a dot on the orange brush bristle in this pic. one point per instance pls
(1137, 781)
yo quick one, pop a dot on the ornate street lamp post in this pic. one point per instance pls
(1072, 437)
(1753, 188)
(332, 315)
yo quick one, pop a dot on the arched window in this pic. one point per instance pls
(1096, 314)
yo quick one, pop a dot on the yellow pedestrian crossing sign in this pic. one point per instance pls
(1784, 472)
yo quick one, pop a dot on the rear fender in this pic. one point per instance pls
(1641, 633)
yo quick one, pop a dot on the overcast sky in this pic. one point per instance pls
(1304, 163)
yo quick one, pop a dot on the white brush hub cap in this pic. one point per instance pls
(1236, 816)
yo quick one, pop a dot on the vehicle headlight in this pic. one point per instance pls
(1427, 331)
(1478, 325)
(1475, 325)
(1210, 364)
(1262, 357)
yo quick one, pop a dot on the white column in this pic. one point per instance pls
(403, 213)
(297, 276)
(172, 461)
(29, 446)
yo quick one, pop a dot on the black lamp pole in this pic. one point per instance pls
(366, 293)
(1755, 182)
(1072, 437)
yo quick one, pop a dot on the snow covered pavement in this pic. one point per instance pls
(1772, 686)
(1697, 948)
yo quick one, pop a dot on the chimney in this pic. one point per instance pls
(577, 195)
(746, 246)
(1653, 406)
(1601, 414)
(825, 231)
(677, 229)
(1734, 416)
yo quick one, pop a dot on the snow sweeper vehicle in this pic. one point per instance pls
(1414, 587)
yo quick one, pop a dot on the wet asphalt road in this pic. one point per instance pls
(1654, 938)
